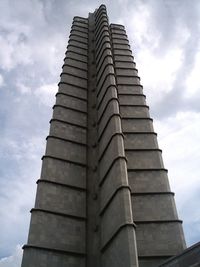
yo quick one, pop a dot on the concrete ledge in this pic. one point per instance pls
(108, 143)
(79, 218)
(80, 34)
(66, 140)
(77, 37)
(79, 24)
(83, 70)
(118, 40)
(61, 184)
(77, 56)
(65, 160)
(110, 90)
(70, 95)
(121, 187)
(105, 41)
(65, 107)
(78, 254)
(68, 122)
(132, 225)
(79, 28)
(104, 128)
(101, 26)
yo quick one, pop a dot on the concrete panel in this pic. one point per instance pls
(78, 38)
(75, 71)
(71, 102)
(102, 58)
(80, 23)
(81, 20)
(121, 46)
(153, 207)
(148, 181)
(66, 150)
(113, 151)
(118, 31)
(108, 107)
(144, 159)
(109, 70)
(117, 35)
(117, 254)
(140, 141)
(76, 43)
(75, 80)
(112, 109)
(41, 258)
(79, 28)
(132, 100)
(112, 128)
(116, 40)
(124, 52)
(137, 125)
(68, 115)
(61, 199)
(129, 72)
(116, 26)
(100, 68)
(76, 49)
(102, 47)
(80, 33)
(63, 172)
(72, 90)
(159, 239)
(49, 230)
(134, 112)
(116, 178)
(123, 58)
(121, 216)
(128, 80)
(109, 81)
(126, 89)
(109, 94)
(75, 62)
(76, 56)
(151, 262)
(106, 38)
(68, 131)
(122, 64)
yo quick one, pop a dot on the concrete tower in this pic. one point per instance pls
(103, 199)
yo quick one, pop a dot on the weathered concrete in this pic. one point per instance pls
(103, 198)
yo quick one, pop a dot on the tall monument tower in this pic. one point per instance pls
(103, 199)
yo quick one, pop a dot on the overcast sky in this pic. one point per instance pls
(165, 39)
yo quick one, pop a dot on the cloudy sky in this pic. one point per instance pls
(165, 39)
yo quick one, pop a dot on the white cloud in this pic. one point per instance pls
(178, 136)
(45, 94)
(13, 51)
(179, 139)
(23, 89)
(14, 260)
(193, 79)
(1, 80)
(158, 72)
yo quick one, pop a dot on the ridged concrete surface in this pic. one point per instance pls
(103, 198)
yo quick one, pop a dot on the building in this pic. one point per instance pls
(103, 199)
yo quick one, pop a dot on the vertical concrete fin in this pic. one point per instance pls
(153, 203)
(118, 246)
(57, 234)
